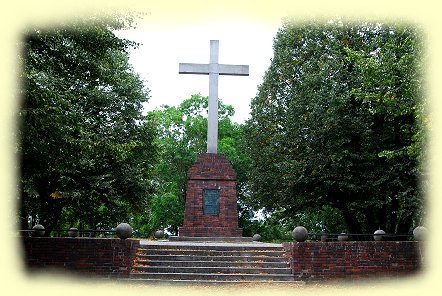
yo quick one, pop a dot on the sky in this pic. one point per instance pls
(163, 47)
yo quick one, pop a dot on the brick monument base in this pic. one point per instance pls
(211, 209)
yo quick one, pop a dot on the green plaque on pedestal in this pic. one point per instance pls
(211, 202)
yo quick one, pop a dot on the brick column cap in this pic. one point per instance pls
(211, 166)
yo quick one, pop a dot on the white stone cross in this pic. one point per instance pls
(213, 69)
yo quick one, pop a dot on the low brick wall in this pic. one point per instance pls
(325, 261)
(102, 257)
(310, 261)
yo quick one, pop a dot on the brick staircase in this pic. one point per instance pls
(211, 263)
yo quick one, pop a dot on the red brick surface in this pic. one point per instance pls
(310, 261)
(211, 171)
(322, 261)
(102, 257)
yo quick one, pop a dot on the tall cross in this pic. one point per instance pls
(213, 69)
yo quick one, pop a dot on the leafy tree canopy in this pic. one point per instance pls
(337, 123)
(86, 151)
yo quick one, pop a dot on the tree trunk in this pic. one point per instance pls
(352, 224)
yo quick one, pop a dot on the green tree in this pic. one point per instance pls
(334, 124)
(86, 151)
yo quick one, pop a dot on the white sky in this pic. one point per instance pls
(163, 47)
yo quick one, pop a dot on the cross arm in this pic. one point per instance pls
(190, 68)
(236, 70)
(221, 69)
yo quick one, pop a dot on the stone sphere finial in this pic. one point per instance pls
(39, 230)
(124, 230)
(300, 233)
(73, 232)
(159, 234)
(378, 235)
(256, 238)
(420, 233)
(343, 237)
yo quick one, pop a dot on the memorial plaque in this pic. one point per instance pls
(211, 202)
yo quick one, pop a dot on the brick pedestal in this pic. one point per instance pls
(211, 172)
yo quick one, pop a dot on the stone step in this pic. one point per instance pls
(216, 253)
(211, 269)
(243, 264)
(209, 239)
(189, 262)
(211, 258)
(212, 276)
(156, 282)
(212, 247)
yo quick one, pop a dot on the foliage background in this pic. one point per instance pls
(338, 124)
(336, 99)
(85, 149)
